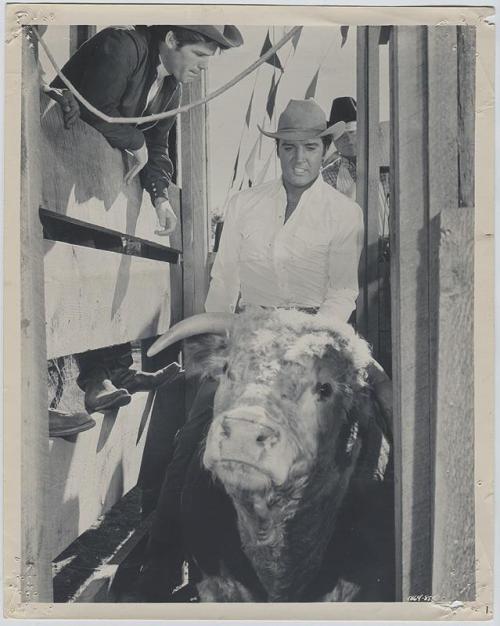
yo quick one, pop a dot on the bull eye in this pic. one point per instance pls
(324, 390)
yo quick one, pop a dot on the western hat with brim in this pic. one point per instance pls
(304, 119)
(344, 109)
(227, 36)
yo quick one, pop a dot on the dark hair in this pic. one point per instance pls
(183, 36)
(326, 139)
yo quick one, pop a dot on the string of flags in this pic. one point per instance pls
(253, 177)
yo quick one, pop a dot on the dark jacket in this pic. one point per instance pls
(114, 71)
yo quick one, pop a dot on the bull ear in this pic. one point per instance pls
(376, 447)
(205, 355)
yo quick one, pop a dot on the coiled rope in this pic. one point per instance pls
(182, 109)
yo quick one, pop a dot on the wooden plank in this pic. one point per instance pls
(367, 192)
(454, 532)
(92, 298)
(83, 178)
(36, 579)
(78, 35)
(89, 473)
(410, 315)
(466, 60)
(195, 227)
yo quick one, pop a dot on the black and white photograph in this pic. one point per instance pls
(250, 262)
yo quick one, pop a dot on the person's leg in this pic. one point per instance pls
(96, 367)
(165, 553)
(123, 375)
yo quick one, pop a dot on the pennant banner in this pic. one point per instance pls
(311, 90)
(271, 98)
(252, 158)
(249, 110)
(343, 31)
(236, 166)
(295, 40)
(262, 174)
(273, 60)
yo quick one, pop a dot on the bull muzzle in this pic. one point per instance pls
(245, 440)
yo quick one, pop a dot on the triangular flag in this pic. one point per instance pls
(250, 164)
(271, 98)
(273, 59)
(343, 31)
(249, 111)
(295, 39)
(236, 166)
(262, 174)
(311, 90)
(261, 135)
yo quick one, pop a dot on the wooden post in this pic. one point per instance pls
(36, 578)
(195, 231)
(78, 35)
(368, 180)
(451, 175)
(410, 311)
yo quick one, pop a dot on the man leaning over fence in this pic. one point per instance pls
(130, 71)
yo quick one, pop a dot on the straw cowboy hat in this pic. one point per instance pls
(227, 36)
(304, 119)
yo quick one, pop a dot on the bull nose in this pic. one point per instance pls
(247, 432)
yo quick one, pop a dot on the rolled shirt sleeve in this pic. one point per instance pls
(343, 263)
(224, 287)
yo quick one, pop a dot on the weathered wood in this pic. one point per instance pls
(368, 180)
(454, 532)
(35, 580)
(83, 178)
(89, 473)
(78, 35)
(466, 59)
(176, 271)
(195, 226)
(96, 298)
(410, 314)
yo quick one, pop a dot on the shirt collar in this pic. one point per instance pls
(161, 70)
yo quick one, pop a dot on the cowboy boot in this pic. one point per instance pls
(134, 381)
(101, 394)
(64, 424)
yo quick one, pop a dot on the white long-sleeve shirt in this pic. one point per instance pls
(309, 261)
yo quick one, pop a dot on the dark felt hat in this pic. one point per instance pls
(226, 36)
(344, 109)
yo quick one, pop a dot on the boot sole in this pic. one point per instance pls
(111, 403)
(66, 432)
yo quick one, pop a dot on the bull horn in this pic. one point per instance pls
(217, 323)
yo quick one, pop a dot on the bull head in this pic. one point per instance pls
(280, 374)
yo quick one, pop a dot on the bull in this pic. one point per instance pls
(290, 497)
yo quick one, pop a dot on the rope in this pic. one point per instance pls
(182, 109)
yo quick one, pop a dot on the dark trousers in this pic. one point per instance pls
(112, 362)
(166, 529)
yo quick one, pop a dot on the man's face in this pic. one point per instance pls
(346, 144)
(300, 160)
(185, 63)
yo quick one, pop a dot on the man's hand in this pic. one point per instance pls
(166, 217)
(68, 103)
(140, 157)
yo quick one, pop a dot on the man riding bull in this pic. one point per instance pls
(294, 242)
(131, 71)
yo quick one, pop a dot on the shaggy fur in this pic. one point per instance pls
(274, 359)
